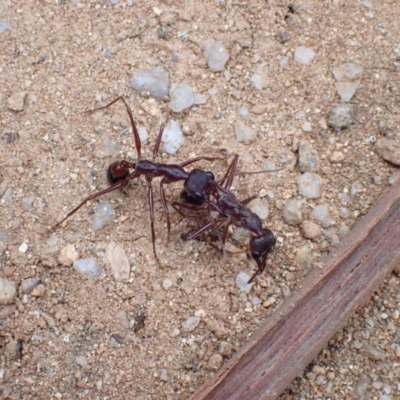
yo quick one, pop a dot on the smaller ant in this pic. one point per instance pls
(231, 212)
(119, 173)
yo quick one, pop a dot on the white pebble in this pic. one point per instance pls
(303, 55)
(172, 137)
(216, 56)
(244, 133)
(88, 267)
(143, 134)
(190, 324)
(292, 211)
(241, 282)
(181, 96)
(23, 247)
(310, 185)
(167, 283)
(346, 90)
(156, 82)
(8, 291)
(347, 72)
(259, 207)
(116, 256)
(259, 78)
(103, 216)
(81, 361)
(321, 214)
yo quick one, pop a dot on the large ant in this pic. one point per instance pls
(119, 173)
(231, 212)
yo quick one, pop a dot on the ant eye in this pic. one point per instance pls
(210, 175)
(255, 254)
(199, 196)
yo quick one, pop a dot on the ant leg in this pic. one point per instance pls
(193, 160)
(158, 141)
(138, 142)
(261, 266)
(165, 205)
(248, 200)
(227, 180)
(151, 207)
(110, 189)
(191, 207)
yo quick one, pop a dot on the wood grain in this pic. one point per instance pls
(297, 331)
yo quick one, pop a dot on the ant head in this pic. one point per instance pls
(260, 246)
(117, 171)
(199, 184)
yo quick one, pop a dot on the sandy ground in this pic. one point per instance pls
(75, 337)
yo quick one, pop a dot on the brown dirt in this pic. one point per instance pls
(66, 57)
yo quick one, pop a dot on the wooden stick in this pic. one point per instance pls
(297, 331)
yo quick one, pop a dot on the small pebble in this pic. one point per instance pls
(81, 361)
(200, 313)
(8, 291)
(103, 216)
(167, 284)
(156, 82)
(88, 267)
(259, 207)
(151, 106)
(267, 303)
(4, 26)
(260, 78)
(346, 90)
(308, 158)
(181, 96)
(337, 157)
(16, 101)
(256, 301)
(373, 353)
(310, 185)
(23, 247)
(258, 109)
(38, 291)
(215, 362)
(115, 255)
(191, 323)
(305, 257)
(216, 56)
(173, 137)
(311, 230)
(361, 388)
(388, 149)
(292, 211)
(321, 214)
(164, 375)
(341, 116)
(225, 349)
(68, 255)
(244, 133)
(106, 147)
(27, 203)
(241, 282)
(347, 72)
(303, 55)
(143, 134)
(390, 126)
(27, 285)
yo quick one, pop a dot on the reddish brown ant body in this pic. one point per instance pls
(119, 173)
(231, 212)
